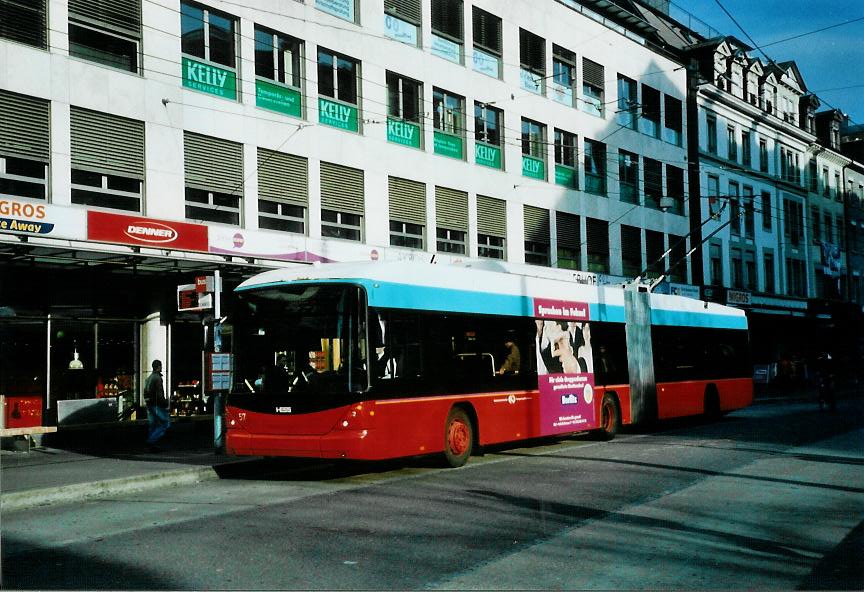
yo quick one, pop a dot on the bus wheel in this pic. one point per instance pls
(610, 418)
(458, 438)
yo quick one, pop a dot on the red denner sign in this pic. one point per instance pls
(146, 232)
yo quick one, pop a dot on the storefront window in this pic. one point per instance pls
(22, 356)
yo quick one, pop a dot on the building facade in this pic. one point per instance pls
(144, 143)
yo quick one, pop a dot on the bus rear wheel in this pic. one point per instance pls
(458, 438)
(610, 418)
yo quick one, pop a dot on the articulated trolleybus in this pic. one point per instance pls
(383, 360)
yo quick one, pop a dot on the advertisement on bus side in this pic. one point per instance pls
(565, 366)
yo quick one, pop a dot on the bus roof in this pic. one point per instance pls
(473, 289)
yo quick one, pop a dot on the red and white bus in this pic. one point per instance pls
(383, 360)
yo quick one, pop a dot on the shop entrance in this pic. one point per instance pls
(186, 373)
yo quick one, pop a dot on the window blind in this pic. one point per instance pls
(491, 216)
(568, 232)
(536, 224)
(212, 164)
(283, 177)
(407, 10)
(25, 126)
(123, 15)
(106, 143)
(341, 188)
(407, 200)
(451, 208)
(592, 73)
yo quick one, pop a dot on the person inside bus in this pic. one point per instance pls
(513, 361)
(386, 365)
(275, 378)
(307, 375)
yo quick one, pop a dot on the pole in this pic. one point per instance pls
(218, 396)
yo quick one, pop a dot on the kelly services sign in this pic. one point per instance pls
(337, 115)
(209, 79)
(146, 232)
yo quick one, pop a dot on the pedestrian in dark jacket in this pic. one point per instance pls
(157, 405)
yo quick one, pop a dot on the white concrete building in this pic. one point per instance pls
(144, 142)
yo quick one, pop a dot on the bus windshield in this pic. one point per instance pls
(300, 338)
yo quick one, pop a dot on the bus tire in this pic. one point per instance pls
(458, 438)
(712, 404)
(610, 418)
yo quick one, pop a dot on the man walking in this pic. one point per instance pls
(157, 405)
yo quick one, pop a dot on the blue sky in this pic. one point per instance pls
(829, 60)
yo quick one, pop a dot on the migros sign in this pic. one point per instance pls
(135, 230)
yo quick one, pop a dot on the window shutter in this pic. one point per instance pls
(451, 209)
(283, 177)
(24, 21)
(568, 231)
(407, 10)
(25, 126)
(212, 164)
(598, 236)
(532, 51)
(105, 143)
(654, 250)
(487, 30)
(447, 18)
(631, 245)
(592, 73)
(407, 200)
(653, 176)
(536, 224)
(674, 119)
(491, 216)
(341, 188)
(122, 15)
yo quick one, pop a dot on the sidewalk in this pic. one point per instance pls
(97, 461)
(82, 463)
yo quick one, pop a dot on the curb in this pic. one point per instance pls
(27, 499)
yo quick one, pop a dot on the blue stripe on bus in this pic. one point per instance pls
(412, 297)
(444, 299)
(680, 318)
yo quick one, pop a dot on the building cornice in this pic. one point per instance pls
(709, 91)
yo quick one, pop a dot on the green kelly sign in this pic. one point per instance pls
(337, 115)
(448, 145)
(533, 167)
(403, 132)
(487, 155)
(209, 79)
(565, 176)
(278, 98)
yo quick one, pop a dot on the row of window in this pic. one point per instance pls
(739, 148)
(744, 274)
(107, 158)
(209, 46)
(110, 33)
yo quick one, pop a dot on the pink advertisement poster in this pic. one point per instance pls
(566, 403)
(565, 366)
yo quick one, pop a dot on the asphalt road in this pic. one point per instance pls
(769, 497)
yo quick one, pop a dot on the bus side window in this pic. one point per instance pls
(610, 353)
